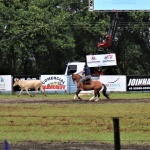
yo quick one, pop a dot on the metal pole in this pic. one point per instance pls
(116, 134)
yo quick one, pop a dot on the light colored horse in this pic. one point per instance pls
(93, 85)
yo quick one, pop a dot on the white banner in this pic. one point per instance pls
(101, 60)
(5, 83)
(114, 82)
(54, 82)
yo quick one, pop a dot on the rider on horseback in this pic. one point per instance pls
(87, 73)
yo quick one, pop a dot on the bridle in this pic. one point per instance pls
(74, 78)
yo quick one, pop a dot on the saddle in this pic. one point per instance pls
(87, 82)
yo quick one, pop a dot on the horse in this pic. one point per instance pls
(91, 85)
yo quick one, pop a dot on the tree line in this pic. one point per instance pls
(42, 36)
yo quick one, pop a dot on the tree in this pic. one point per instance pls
(41, 36)
(132, 48)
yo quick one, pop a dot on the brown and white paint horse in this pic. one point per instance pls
(94, 85)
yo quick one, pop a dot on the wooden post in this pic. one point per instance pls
(116, 134)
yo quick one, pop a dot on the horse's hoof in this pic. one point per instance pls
(96, 100)
(90, 100)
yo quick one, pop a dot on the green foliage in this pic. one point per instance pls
(35, 34)
(133, 45)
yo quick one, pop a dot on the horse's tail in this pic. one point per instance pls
(105, 91)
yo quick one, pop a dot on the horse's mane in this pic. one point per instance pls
(77, 74)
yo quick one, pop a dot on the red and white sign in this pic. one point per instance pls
(54, 82)
(101, 60)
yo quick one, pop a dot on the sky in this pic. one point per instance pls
(122, 5)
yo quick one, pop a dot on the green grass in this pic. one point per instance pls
(75, 122)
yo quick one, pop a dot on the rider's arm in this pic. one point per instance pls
(83, 72)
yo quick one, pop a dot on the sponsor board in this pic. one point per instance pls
(114, 83)
(54, 82)
(5, 83)
(101, 60)
(138, 83)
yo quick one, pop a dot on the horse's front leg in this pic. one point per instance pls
(75, 96)
(92, 98)
(77, 92)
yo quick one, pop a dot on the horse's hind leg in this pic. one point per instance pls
(95, 94)
(98, 93)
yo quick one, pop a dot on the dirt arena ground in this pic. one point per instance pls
(71, 146)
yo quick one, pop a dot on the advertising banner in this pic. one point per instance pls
(138, 83)
(5, 83)
(54, 82)
(101, 60)
(114, 82)
(25, 77)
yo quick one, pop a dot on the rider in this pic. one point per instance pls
(87, 72)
